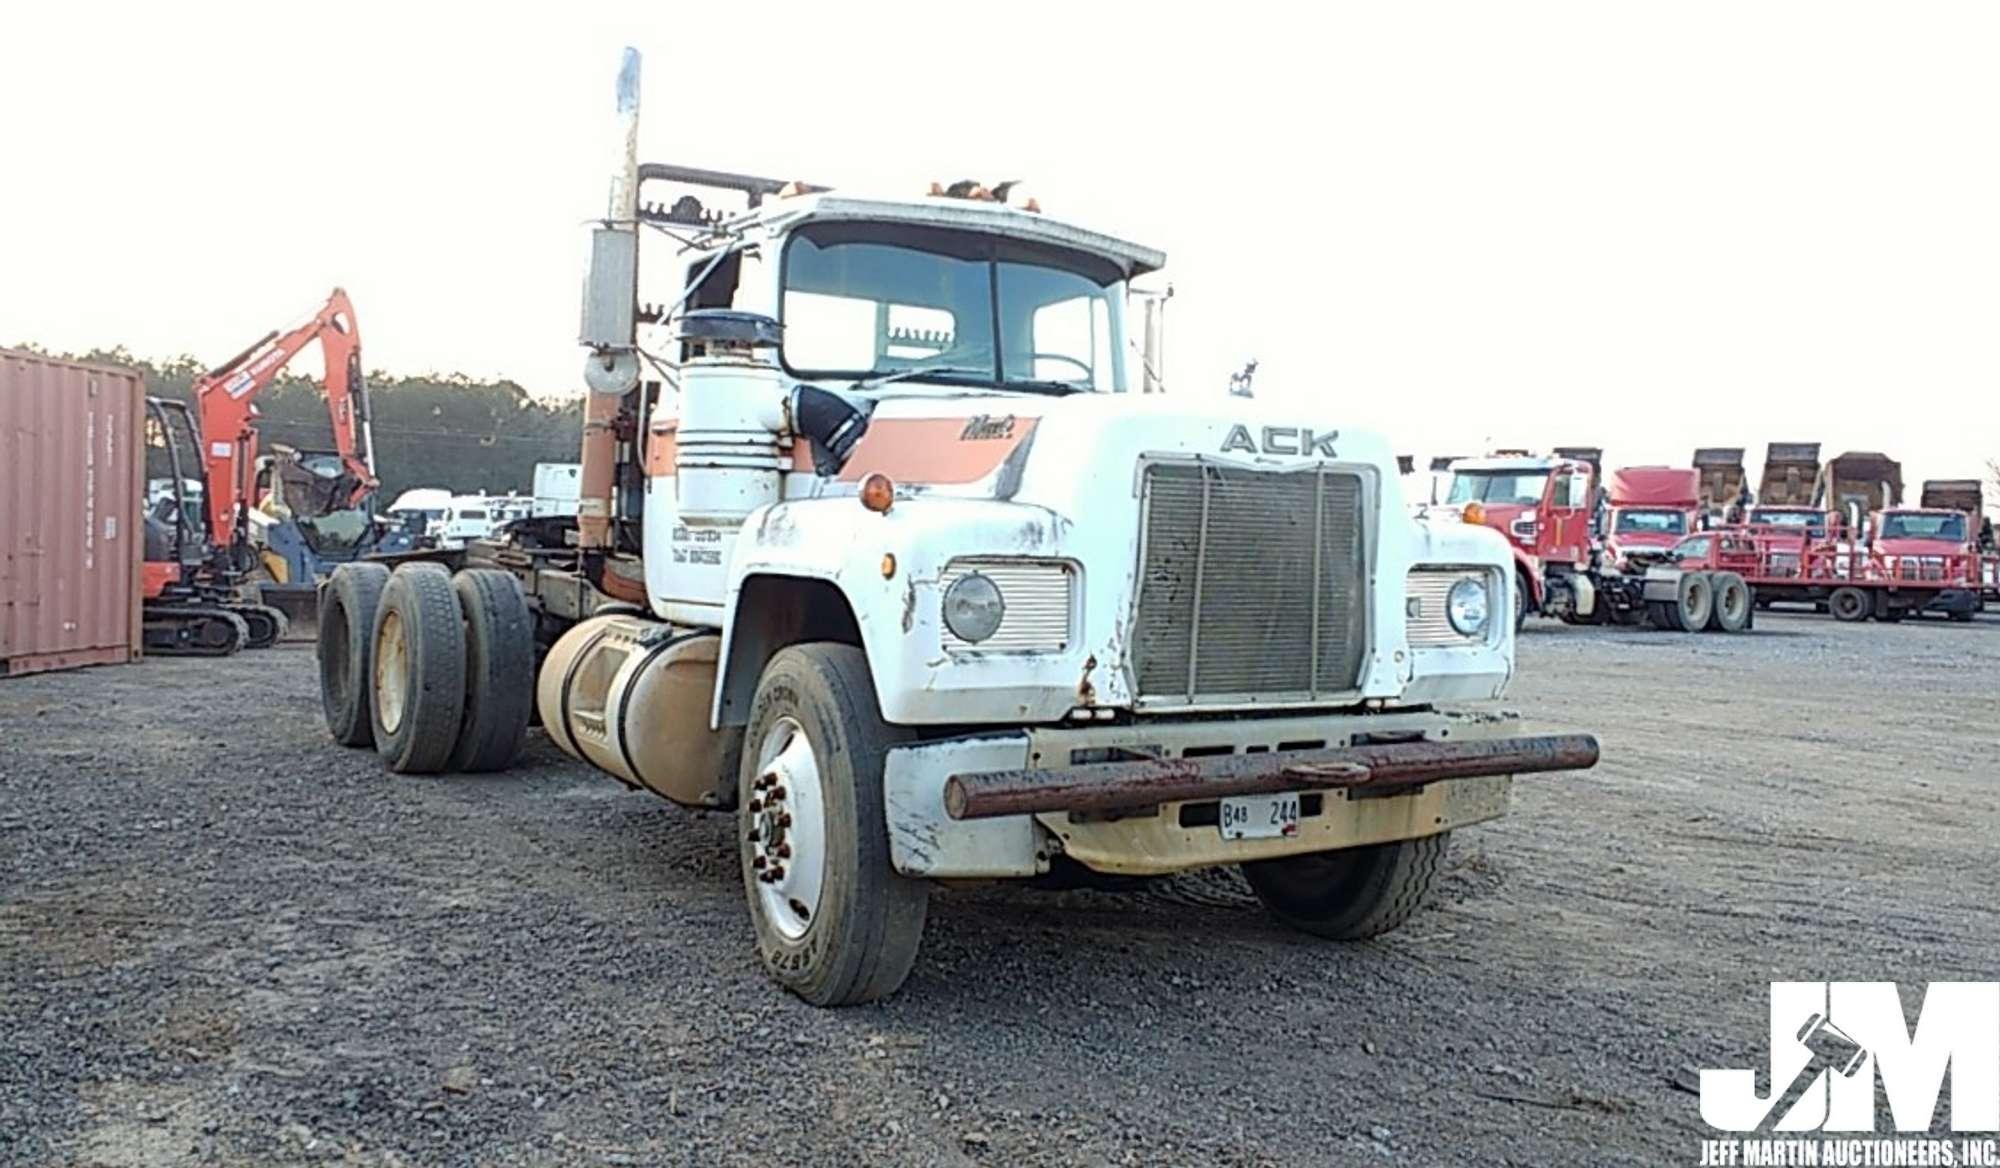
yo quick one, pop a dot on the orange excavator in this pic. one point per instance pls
(195, 572)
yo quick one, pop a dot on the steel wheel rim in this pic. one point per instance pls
(785, 825)
(392, 672)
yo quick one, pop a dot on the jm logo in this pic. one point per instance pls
(1280, 440)
(1831, 1042)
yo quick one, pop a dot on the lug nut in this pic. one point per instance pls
(784, 820)
(777, 792)
(784, 851)
(777, 872)
(756, 805)
(756, 861)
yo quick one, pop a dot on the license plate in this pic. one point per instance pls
(1258, 816)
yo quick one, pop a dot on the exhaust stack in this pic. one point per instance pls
(610, 327)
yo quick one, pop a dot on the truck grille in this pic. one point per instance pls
(1252, 584)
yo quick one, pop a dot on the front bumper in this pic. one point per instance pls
(1141, 799)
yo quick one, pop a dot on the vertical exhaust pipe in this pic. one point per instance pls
(610, 327)
(1153, 353)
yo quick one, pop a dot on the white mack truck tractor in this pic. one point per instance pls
(877, 547)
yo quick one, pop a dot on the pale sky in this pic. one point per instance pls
(1646, 227)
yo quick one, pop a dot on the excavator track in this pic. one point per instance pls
(194, 630)
(266, 625)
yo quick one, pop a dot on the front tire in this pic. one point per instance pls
(835, 923)
(1352, 894)
(1850, 605)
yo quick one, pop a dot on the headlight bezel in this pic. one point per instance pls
(984, 614)
(1481, 607)
(1043, 598)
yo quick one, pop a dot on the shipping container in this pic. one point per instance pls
(72, 537)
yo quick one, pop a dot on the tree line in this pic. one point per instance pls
(431, 430)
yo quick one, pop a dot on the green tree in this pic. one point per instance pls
(431, 430)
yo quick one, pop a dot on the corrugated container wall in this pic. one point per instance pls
(72, 483)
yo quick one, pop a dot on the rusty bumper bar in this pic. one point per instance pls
(1129, 786)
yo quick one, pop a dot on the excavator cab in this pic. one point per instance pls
(191, 607)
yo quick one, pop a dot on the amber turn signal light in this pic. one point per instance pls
(878, 493)
(1475, 512)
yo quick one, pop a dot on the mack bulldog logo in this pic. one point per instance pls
(981, 427)
(1281, 440)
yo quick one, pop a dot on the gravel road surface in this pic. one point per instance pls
(225, 941)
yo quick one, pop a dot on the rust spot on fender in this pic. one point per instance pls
(1086, 692)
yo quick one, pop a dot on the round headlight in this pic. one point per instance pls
(1467, 607)
(973, 608)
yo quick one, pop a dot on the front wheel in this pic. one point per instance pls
(835, 923)
(1353, 894)
(1850, 604)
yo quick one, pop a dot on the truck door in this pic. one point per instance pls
(1564, 531)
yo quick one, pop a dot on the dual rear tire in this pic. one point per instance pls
(1705, 601)
(435, 671)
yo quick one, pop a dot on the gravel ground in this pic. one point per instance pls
(223, 940)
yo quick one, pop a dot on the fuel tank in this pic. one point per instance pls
(630, 696)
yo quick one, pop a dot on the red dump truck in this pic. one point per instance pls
(1651, 509)
(1544, 505)
(1969, 497)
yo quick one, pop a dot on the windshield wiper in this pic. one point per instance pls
(1049, 385)
(881, 377)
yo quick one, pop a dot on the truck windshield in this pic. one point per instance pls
(1812, 521)
(1523, 487)
(873, 300)
(1651, 523)
(1903, 525)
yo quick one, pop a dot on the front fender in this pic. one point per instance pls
(887, 566)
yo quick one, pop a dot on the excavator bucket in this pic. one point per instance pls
(300, 606)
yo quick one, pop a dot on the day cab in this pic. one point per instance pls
(879, 551)
(1542, 505)
(1931, 546)
(1651, 509)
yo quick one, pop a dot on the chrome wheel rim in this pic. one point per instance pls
(785, 827)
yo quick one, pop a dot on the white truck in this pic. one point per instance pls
(892, 562)
(556, 488)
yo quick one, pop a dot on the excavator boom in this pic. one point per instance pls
(225, 406)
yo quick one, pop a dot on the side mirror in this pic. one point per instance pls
(610, 292)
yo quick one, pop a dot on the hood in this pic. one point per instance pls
(1063, 452)
(1906, 546)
